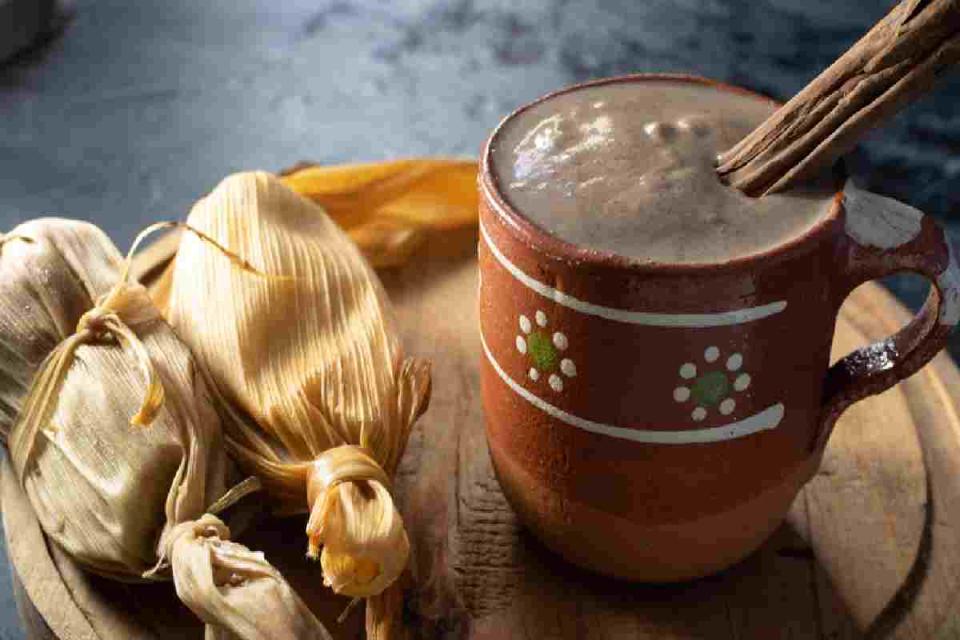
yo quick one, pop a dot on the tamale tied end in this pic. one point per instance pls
(355, 521)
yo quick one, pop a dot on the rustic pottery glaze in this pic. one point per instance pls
(584, 353)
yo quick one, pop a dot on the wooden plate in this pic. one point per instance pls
(871, 546)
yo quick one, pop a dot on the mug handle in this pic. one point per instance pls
(884, 236)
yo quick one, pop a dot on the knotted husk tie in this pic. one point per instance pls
(365, 548)
(52, 271)
(232, 589)
(125, 307)
(123, 500)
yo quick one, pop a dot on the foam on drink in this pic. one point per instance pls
(628, 168)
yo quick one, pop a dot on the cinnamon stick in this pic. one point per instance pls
(897, 61)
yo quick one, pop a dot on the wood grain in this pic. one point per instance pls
(845, 563)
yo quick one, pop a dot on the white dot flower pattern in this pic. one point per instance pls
(713, 384)
(544, 349)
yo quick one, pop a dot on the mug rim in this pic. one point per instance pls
(555, 247)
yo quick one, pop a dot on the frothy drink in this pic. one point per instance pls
(628, 168)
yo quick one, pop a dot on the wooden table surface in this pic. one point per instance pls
(871, 545)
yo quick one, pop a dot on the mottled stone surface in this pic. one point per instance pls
(140, 107)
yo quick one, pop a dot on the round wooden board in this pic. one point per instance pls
(871, 545)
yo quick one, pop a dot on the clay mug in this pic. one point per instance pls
(654, 421)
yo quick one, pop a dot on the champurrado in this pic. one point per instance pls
(629, 168)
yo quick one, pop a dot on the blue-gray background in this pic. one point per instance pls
(138, 108)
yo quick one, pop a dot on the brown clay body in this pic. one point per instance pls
(654, 422)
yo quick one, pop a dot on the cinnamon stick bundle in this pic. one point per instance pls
(897, 61)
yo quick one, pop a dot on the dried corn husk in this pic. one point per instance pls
(51, 272)
(119, 448)
(387, 208)
(312, 356)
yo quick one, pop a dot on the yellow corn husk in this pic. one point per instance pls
(387, 208)
(313, 359)
(51, 272)
(119, 447)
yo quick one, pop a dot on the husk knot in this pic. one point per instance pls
(355, 521)
(124, 306)
(233, 589)
(206, 526)
(97, 321)
(347, 463)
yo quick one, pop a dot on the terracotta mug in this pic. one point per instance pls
(594, 365)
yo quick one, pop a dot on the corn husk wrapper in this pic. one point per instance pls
(389, 208)
(311, 355)
(51, 272)
(119, 448)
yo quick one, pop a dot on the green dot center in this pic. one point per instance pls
(542, 351)
(710, 388)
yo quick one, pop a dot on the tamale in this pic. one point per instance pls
(118, 446)
(51, 272)
(311, 356)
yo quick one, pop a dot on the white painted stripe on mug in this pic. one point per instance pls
(685, 320)
(766, 420)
